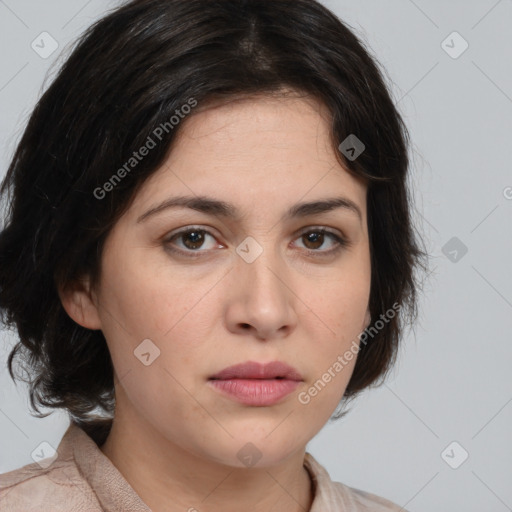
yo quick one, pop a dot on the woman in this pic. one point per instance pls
(207, 254)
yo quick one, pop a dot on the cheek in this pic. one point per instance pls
(142, 300)
(340, 295)
(335, 322)
(159, 396)
(340, 306)
(318, 399)
(157, 314)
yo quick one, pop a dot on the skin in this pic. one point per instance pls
(174, 438)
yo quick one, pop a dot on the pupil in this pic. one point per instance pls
(196, 239)
(315, 238)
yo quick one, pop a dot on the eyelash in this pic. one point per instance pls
(341, 242)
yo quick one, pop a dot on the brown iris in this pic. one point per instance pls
(315, 237)
(196, 237)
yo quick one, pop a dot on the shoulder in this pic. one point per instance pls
(58, 488)
(363, 501)
(334, 496)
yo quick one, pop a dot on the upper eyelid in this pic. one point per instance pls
(328, 231)
(298, 233)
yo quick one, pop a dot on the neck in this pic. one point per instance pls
(167, 477)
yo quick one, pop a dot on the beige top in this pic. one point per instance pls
(83, 479)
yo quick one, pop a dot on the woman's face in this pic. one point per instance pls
(250, 283)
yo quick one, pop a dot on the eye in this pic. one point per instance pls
(192, 239)
(315, 238)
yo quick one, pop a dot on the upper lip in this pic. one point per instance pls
(255, 370)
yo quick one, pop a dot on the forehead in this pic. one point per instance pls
(254, 152)
(274, 119)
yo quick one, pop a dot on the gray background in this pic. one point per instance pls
(453, 379)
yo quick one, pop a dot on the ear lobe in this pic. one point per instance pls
(80, 304)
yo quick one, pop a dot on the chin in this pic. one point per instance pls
(264, 449)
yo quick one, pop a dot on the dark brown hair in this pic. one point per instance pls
(127, 75)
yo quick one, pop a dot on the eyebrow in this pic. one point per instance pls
(222, 209)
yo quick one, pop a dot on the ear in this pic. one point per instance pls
(81, 304)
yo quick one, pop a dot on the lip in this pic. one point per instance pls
(257, 384)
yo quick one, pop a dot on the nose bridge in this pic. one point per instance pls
(264, 299)
(259, 265)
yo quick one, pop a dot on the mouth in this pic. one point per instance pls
(259, 371)
(256, 384)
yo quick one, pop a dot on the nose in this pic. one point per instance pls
(261, 300)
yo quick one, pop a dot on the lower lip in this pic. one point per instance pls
(256, 391)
